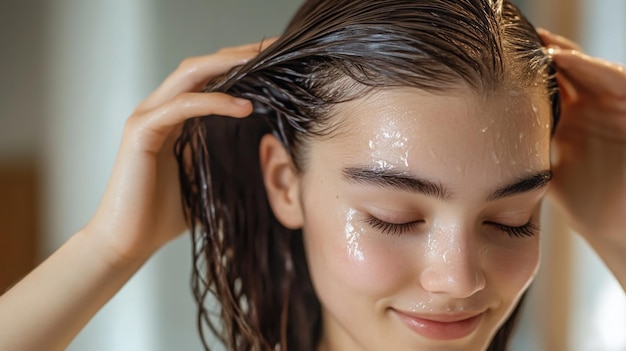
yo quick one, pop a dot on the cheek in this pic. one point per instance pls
(511, 269)
(344, 258)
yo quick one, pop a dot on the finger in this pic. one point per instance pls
(590, 74)
(566, 88)
(191, 74)
(551, 39)
(194, 72)
(152, 128)
(253, 47)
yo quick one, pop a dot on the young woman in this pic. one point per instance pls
(383, 194)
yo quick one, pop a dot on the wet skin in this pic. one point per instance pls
(420, 217)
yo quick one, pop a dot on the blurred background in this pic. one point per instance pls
(72, 71)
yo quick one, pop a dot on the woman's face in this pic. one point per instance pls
(421, 217)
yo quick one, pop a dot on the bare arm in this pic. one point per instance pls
(139, 213)
(50, 306)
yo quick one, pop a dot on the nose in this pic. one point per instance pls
(455, 270)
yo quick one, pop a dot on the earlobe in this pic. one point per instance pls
(281, 180)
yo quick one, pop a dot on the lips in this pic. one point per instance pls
(441, 326)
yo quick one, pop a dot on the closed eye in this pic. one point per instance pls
(391, 228)
(527, 230)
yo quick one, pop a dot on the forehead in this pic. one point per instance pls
(444, 134)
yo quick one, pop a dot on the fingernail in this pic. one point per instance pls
(242, 102)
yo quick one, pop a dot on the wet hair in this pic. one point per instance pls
(332, 51)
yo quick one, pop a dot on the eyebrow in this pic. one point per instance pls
(405, 181)
(394, 179)
(522, 185)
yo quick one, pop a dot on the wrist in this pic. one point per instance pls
(113, 252)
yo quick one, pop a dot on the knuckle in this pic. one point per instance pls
(188, 65)
(175, 103)
(132, 125)
(141, 108)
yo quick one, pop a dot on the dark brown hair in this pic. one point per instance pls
(332, 51)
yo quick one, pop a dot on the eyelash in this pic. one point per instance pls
(391, 228)
(527, 230)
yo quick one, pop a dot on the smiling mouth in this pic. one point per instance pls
(441, 326)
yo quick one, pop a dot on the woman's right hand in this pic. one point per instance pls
(141, 209)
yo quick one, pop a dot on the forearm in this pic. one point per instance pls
(53, 303)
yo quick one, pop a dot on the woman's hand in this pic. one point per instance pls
(141, 209)
(590, 142)
(140, 212)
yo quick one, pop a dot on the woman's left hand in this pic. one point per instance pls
(590, 141)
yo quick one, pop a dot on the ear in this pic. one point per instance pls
(282, 183)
